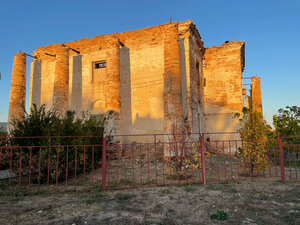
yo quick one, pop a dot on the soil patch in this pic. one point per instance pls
(245, 202)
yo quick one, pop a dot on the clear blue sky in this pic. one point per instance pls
(271, 29)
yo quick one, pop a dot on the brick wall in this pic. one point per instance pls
(112, 84)
(61, 80)
(223, 66)
(160, 78)
(172, 81)
(18, 88)
(152, 54)
(256, 100)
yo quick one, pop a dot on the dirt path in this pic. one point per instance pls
(246, 202)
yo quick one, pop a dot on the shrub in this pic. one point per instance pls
(182, 154)
(2, 137)
(44, 123)
(254, 132)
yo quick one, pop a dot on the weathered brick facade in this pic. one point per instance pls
(18, 88)
(172, 80)
(113, 85)
(61, 80)
(223, 67)
(255, 95)
(149, 78)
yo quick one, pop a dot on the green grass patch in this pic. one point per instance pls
(219, 215)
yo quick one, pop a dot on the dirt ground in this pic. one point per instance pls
(245, 202)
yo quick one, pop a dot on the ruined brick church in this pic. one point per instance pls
(147, 78)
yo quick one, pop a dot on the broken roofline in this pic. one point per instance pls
(183, 27)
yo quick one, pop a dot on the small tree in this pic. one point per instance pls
(182, 153)
(253, 133)
(287, 122)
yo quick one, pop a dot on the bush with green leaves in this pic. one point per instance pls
(287, 123)
(254, 134)
(68, 136)
(2, 136)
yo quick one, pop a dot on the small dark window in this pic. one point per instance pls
(100, 65)
(198, 74)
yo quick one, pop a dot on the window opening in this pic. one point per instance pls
(198, 73)
(100, 65)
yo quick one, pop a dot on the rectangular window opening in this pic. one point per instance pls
(100, 65)
(198, 73)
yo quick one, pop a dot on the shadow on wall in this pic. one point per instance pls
(219, 120)
(144, 123)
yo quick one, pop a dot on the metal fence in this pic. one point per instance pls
(60, 162)
(64, 163)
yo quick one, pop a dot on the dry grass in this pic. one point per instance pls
(245, 202)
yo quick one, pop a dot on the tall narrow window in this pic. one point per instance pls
(198, 74)
(98, 71)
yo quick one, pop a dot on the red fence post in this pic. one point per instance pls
(104, 163)
(48, 172)
(281, 158)
(203, 159)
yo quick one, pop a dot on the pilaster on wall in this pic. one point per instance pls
(35, 84)
(61, 81)
(112, 91)
(188, 115)
(194, 89)
(256, 100)
(172, 81)
(76, 97)
(18, 88)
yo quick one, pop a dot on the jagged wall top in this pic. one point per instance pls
(128, 38)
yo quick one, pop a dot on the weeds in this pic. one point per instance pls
(124, 196)
(166, 191)
(12, 196)
(96, 197)
(166, 221)
(148, 222)
(219, 215)
(189, 189)
(157, 208)
(220, 187)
